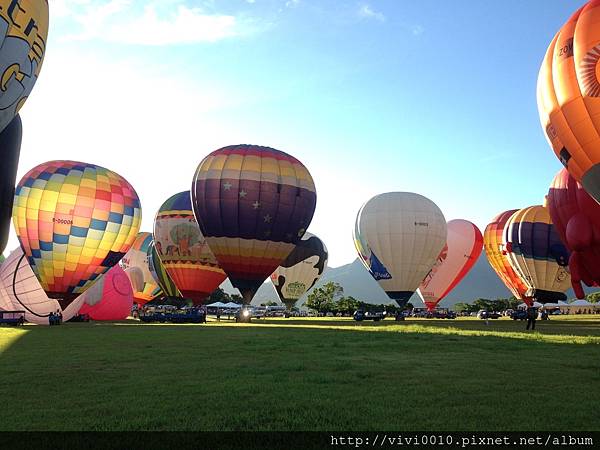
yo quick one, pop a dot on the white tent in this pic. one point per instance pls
(551, 305)
(535, 305)
(232, 305)
(580, 303)
(217, 305)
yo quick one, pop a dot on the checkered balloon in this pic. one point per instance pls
(74, 221)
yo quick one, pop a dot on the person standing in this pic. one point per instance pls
(531, 317)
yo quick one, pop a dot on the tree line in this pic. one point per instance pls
(330, 298)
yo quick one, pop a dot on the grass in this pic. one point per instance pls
(302, 374)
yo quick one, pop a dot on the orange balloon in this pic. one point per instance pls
(568, 95)
(492, 243)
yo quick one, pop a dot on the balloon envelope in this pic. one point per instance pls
(137, 257)
(398, 236)
(183, 250)
(160, 275)
(23, 36)
(568, 95)
(253, 204)
(463, 247)
(300, 270)
(30, 297)
(115, 299)
(576, 218)
(536, 254)
(10, 147)
(496, 254)
(74, 221)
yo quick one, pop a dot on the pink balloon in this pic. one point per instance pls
(110, 298)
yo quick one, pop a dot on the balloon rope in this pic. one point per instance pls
(15, 291)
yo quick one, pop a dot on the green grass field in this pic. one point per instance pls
(303, 374)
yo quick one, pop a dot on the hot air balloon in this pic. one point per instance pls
(183, 250)
(74, 221)
(23, 35)
(160, 274)
(137, 257)
(496, 255)
(399, 236)
(576, 218)
(253, 204)
(463, 247)
(300, 270)
(568, 96)
(20, 290)
(536, 254)
(10, 146)
(110, 298)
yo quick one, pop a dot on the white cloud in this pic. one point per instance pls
(159, 23)
(366, 12)
(292, 3)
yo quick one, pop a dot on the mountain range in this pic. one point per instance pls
(480, 282)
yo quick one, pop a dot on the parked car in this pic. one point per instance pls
(361, 315)
(483, 314)
(519, 314)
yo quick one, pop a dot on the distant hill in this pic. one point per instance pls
(480, 282)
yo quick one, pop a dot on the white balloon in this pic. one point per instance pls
(30, 298)
(398, 236)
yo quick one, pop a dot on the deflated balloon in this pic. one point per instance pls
(10, 147)
(399, 236)
(537, 255)
(253, 204)
(300, 270)
(497, 257)
(74, 221)
(23, 35)
(183, 250)
(576, 217)
(160, 275)
(568, 95)
(137, 257)
(20, 290)
(463, 247)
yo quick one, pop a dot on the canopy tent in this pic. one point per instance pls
(535, 305)
(232, 305)
(551, 305)
(217, 305)
(580, 303)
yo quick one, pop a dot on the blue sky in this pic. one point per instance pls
(431, 97)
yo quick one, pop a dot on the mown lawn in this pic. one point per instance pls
(303, 374)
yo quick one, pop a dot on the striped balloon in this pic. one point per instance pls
(537, 254)
(160, 275)
(496, 254)
(74, 221)
(183, 250)
(253, 204)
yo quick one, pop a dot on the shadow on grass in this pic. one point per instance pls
(293, 375)
(554, 331)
